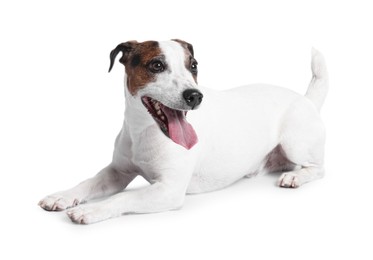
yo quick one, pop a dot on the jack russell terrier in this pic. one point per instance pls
(235, 133)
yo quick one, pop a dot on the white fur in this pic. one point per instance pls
(237, 129)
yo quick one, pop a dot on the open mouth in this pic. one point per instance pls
(172, 122)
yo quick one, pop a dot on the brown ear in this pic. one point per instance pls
(125, 48)
(186, 45)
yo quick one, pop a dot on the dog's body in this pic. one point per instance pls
(235, 133)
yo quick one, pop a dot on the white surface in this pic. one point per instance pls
(60, 112)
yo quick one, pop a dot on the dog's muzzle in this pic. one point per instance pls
(172, 122)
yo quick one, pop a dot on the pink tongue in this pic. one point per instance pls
(180, 131)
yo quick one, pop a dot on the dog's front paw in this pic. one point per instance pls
(288, 180)
(58, 202)
(88, 214)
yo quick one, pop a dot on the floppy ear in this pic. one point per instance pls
(186, 45)
(125, 48)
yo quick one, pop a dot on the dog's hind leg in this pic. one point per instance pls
(107, 182)
(302, 142)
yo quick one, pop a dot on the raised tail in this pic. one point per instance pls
(318, 87)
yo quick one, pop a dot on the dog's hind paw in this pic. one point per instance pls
(288, 180)
(57, 202)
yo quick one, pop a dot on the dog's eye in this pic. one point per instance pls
(156, 66)
(193, 67)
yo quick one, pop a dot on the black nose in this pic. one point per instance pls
(192, 97)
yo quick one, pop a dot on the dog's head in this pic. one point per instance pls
(164, 76)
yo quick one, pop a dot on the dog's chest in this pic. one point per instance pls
(154, 153)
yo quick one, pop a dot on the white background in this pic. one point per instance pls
(60, 112)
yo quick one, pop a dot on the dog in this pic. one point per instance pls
(236, 133)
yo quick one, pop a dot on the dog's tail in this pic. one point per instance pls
(318, 87)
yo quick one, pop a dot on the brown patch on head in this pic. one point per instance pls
(190, 61)
(137, 72)
(136, 58)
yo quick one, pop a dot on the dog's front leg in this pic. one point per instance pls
(166, 193)
(108, 181)
(157, 197)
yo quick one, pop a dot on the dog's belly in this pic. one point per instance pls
(220, 169)
(237, 129)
